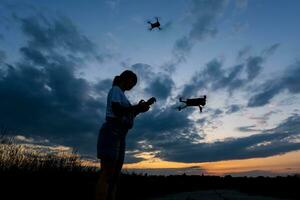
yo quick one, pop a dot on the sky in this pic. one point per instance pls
(58, 59)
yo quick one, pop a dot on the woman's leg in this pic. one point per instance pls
(105, 179)
(117, 172)
(114, 186)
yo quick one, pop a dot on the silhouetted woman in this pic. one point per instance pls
(120, 116)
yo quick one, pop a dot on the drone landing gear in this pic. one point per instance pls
(200, 108)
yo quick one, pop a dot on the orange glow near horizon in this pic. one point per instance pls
(288, 163)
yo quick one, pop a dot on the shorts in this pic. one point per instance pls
(111, 142)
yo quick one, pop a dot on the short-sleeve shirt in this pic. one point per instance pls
(115, 94)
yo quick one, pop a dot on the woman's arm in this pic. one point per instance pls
(120, 110)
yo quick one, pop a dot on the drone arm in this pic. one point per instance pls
(180, 99)
(200, 108)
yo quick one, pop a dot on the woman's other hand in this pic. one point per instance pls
(143, 106)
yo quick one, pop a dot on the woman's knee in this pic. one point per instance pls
(108, 170)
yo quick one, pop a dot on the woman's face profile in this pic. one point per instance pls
(129, 83)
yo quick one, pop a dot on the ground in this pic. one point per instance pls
(214, 195)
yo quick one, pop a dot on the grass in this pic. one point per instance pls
(19, 157)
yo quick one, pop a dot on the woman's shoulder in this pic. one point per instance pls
(116, 88)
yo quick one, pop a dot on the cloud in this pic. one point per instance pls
(203, 15)
(161, 86)
(49, 102)
(33, 55)
(271, 50)
(21, 139)
(254, 66)
(157, 84)
(159, 126)
(103, 86)
(182, 47)
(214, 76)
(289, 81)
(243, 52)
(267, 143)
(263, 119)
(233, 108)
(2, 56)
(247, 128)
(254, 63)
(56, 35)
(42, 95)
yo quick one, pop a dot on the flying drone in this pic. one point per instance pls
(154, 24)
(200, 102)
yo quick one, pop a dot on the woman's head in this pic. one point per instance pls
(126, 80)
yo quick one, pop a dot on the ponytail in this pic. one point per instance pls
(116, 80)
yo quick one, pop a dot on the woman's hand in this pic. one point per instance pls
(143, 106)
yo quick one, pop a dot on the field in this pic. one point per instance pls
(35, 175)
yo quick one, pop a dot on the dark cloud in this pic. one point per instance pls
(254, 63)
(243, 52)
(214, 76)
(132, 158)
(160, 126)
(263, 119)
(254, 66)
(57, 35)
(2, 56)
(170, 66)
(103, 86)
(33, 55)
(159, 85)
(49, 102)
(182, 47)
(169, 137)
(267, 143)
(60, 32)
(144, 71)
(202, 15)
(233, 108)
(271, 50)
(289, 81)
(247, 128)
(42, 95)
